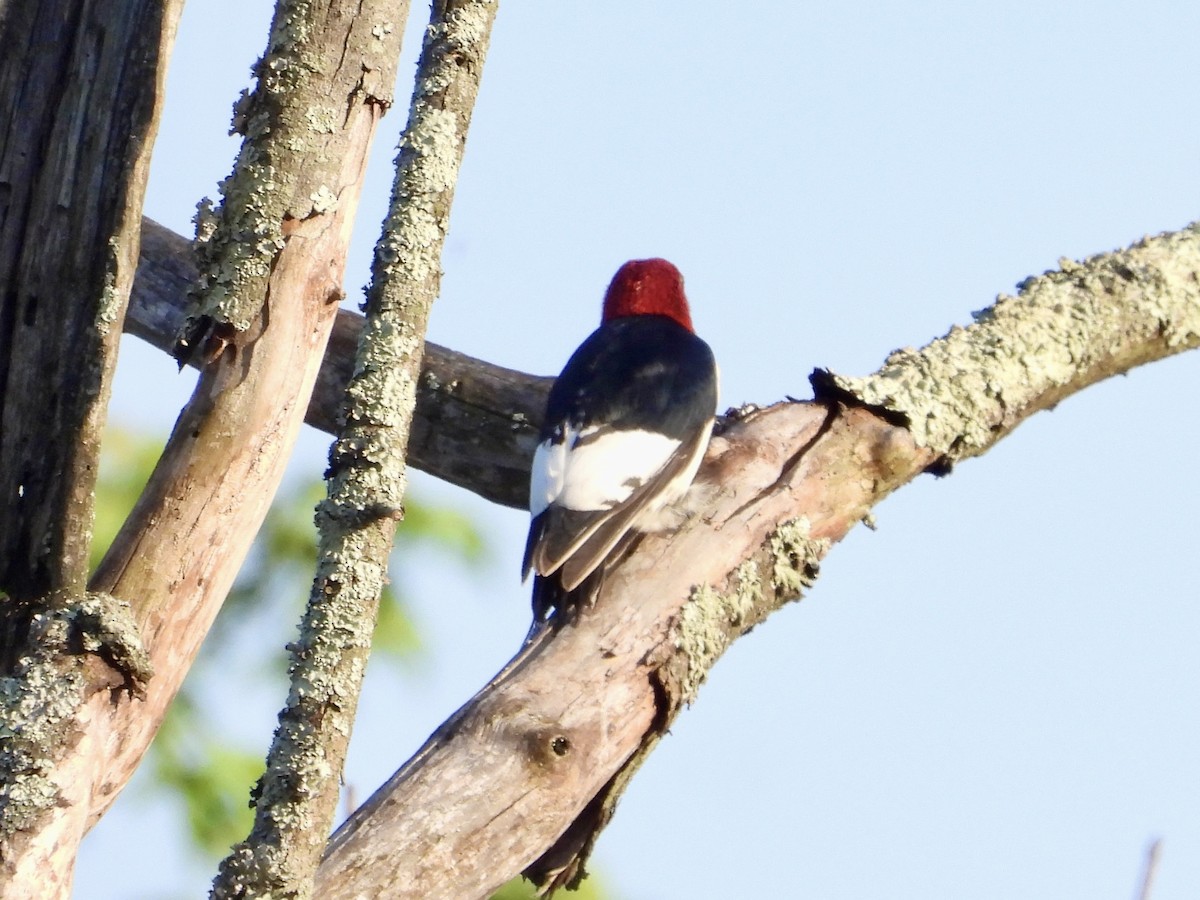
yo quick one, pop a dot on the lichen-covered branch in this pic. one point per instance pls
(475, 424)
(561, 735)
(324, 83)
(1065, 329)
(297, 796)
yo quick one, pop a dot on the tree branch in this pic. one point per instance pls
(324, 83)
(79, 116)
(297, 796)
(561, 734)
(475, 425)
(1064, 330)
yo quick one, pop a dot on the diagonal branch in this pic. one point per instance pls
(1065, 330)
(324, 82)
(561, 735)
(296, 797)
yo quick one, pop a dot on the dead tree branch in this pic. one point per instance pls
(297, 796)
(81, 86)
(1064, 331)
(559, 738)
(475, 425)
(291, 198)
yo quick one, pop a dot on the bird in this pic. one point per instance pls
(627, 423)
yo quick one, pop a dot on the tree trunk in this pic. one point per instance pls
(85, 706)
(80, 94)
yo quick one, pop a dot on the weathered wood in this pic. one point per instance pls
(296, 797)
(324, 84)
(502, 780)
(78, 112)
(80, 94)
(539, 759)
(476, 424)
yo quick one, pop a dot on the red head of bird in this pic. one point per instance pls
(647, 287)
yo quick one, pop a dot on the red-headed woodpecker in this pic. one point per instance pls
(627, 423)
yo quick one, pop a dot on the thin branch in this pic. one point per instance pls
(297, 796)
(539, 760)
(1153, 854)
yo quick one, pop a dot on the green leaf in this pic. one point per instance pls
(126, 461)
(445, 529)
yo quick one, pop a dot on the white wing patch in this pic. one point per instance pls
(590, 471)
(658, 514)
(546, 475)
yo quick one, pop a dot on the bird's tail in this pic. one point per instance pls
(554, 606)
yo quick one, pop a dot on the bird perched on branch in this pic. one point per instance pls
(626, 426)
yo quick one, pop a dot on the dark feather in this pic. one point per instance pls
(611, 525)
(643, 373)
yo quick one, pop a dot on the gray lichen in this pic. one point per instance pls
(288, 124)
(712, 619)
(104, 625)
(795, 558)
(1065, 328)
(367, 480)
(40, 700)
(112, 299)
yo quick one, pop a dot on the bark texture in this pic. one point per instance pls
(80, 89)
(476, 424)
(324, 82)
(561, 734)
(525, 776)
(1065, 330)
(86, 724)
(297, 796)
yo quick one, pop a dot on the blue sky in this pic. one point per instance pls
(993, 694)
